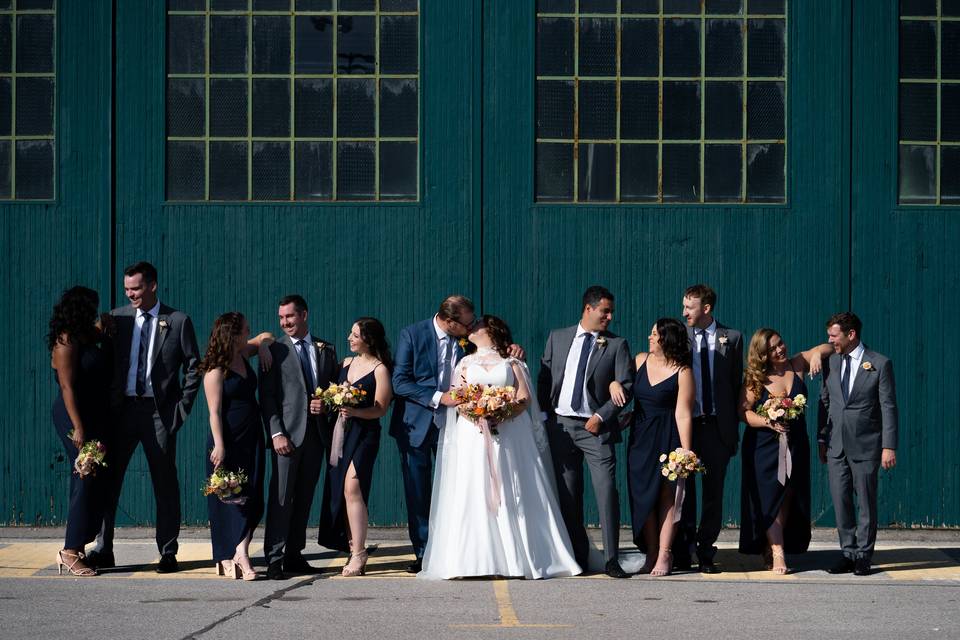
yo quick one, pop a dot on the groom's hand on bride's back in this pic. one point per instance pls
(516, 351)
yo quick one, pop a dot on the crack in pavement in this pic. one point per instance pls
(279, 593)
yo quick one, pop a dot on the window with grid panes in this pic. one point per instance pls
(929, 110)
(292, 100)
(662, 101)
(27, 99)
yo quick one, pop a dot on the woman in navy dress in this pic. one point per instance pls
(82, 371)
(346, 491)
(775, 516)
(663, 395)
(236, 440)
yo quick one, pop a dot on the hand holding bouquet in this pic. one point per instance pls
(91, 458)
(226, 485)
(680, 463)
(781, 408)
(486, 405)
(336, 397)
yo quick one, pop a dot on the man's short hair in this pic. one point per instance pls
(147, 270)
(593, 295)
(453, 306)
(704, 293)
(847, 320)
(296, 300)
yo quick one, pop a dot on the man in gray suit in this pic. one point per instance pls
(573, 389)
(298, 432)
(857, 435)
(718, 371)
(153, 346)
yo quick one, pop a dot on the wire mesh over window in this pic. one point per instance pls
(27, 99)
(293, 100)
(661, 101)
(929, 113)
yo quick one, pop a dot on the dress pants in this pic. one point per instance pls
(416, 464)
(715, 455)
(858, 532)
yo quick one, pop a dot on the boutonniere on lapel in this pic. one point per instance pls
(868, 366)
(722, 339)
(162, 323)
(320, 344)
(601, 342)
(463, 342)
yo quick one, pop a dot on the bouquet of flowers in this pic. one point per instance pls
(680, 463)
(335, 397)
(483, 404)
(782, 407)
(226, 485)
(90, 458)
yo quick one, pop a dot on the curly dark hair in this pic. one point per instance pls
(499, 333)
(375, 337)
(674, 341)
(74, 317)
(225, 331)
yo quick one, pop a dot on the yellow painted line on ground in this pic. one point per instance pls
(22, 559)
(508, 616)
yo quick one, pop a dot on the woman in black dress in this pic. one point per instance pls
(775, 515)
(346, 491)
(236, 440)
(82, 371)
(663, 395)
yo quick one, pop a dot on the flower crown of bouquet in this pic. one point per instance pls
(680, 463)
(226, 485)
(90, 458)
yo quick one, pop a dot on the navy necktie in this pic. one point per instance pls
(706, 380)
(577, 401)
(305, 365)
(845, 378)
(146, 329)
(443, 383)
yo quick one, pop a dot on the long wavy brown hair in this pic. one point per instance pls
(226, 329)
(758, 357)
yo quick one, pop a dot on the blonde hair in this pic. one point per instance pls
(758, 355)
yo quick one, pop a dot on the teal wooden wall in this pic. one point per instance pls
(839, 240)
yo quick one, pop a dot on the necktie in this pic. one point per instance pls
(146, 329)
(443, 382)
(305, 365)
(577, 401)
(845, 378)
(706, 379)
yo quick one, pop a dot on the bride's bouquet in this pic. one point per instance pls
(486, 405)
(226, 485)
(680, 463)
(782, 407)
(90, 458)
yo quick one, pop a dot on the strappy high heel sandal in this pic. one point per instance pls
(351, 570)
(777, 555)
(240, 572)
(69, 560)
(767, 558)
(226, 569)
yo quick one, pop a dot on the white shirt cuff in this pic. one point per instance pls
(435, 402)
(277, 435)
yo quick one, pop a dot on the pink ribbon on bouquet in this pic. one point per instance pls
(784, 460)
(678, 499)
(336, 447)
(493, 497)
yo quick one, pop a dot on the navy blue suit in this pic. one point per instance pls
(415, 382)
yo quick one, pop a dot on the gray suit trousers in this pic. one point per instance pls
(570, 443)
(858, 533)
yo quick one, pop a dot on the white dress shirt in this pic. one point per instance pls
(567, 390)
(856, 357)
(697, 374)
(442, 339)
(307, 341)
(142, 316)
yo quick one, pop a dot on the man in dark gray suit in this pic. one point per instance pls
(717, 352)
(857, 435)
(153, 346)
(299, 435)
(573, 389)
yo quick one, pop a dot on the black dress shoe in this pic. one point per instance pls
(297, 564)
(100, 559)
(416, 566)
(275, 570)
(168, 564)
(708, 566)
(614, 570)
(845, 565)
(861, 567)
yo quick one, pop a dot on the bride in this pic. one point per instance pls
(494, 507)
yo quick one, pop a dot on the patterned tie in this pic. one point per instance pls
(146, 329)
(706, 379)
(443, 382)
(577, 401)
(845, 378)
(305, 365)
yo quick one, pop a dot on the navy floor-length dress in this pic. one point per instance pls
(244, 443)
(654, 433)
(761, 494)
(91, 386)
(361, 443)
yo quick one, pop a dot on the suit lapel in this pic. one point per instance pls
(162, 327)
(861, 378)
(836, 377)
(294, 358)
(597, 354)
(566, 343)
(432, 354)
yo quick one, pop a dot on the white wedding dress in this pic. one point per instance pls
(473, 534)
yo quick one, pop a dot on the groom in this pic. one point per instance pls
(857, 435)
(573, 388)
